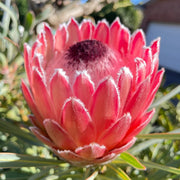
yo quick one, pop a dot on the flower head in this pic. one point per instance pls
(90, 88)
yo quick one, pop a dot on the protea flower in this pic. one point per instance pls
(90, 88)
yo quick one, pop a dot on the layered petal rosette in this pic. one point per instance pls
(90, 88)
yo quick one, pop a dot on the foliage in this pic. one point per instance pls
(24, 157)
(23, 9)
(130, 15)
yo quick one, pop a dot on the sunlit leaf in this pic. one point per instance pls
(159, 136)
(161, 167)
(10, 128)
(166, 97)
(92, 176)
(13, 160)
(144, 145)
(161, 173)
(119, 172)
(133, 161)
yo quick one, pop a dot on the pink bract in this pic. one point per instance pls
(90, 88)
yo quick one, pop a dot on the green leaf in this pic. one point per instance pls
(143, 145)
(8, 127)
(159, 136)
(161, 167)
(158, 174)
(103, 177)
(3, 59)
(131, 160)
(92, 176)
(119, 172)
(13, 17)
(28, 21)
(13, 160)
(42, 174)
(14, 174)
(166, 97)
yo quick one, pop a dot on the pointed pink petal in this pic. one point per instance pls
(91, 151)
(59, 90)
(76, 160)
(124, 41)
(102, 32)
(157, 80)
(140, 66)
(104, 106)
(76, 120)
(105, 159)
(70, 156)
(155, 46)
(113, 135)
(137, 43)
(124, 85)
(27, 61)
(115, 34)
(83, 88)
(73, 32)
(34, 47)
(87, 29)
(49, 41)
(34, 121)
(138, 125)
(147, 56)
(60, 38)
(37, 62)
(136, 103)
(154, 88)
(42, 136)
(58, 135)
(39, 45)
(124, 147)
(29, 99)
(41, 96)
(155, 63)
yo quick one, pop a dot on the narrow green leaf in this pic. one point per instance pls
(13, 160)
(3, 59)
(28, 21)
(119, 172)
(15, 174)
(161, 167)
(159, 136)
(103, 177)
(92, 176)
(42, 174)
(11, 14)
(131, 160)
(6, 20)
(166, 97)
(143, 145)
(8, 127)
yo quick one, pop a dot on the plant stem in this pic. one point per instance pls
(87, 173)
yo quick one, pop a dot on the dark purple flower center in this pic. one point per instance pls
(85, 51)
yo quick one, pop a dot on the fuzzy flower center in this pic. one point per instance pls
(85, 51)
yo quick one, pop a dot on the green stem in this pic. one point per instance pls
(87, 172)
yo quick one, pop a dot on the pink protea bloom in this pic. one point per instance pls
(90, 88)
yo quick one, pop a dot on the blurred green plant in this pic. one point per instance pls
(129, 15)
(156, 150)
(22, 9)
(12, 38)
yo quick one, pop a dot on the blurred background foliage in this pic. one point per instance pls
(20, 21)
